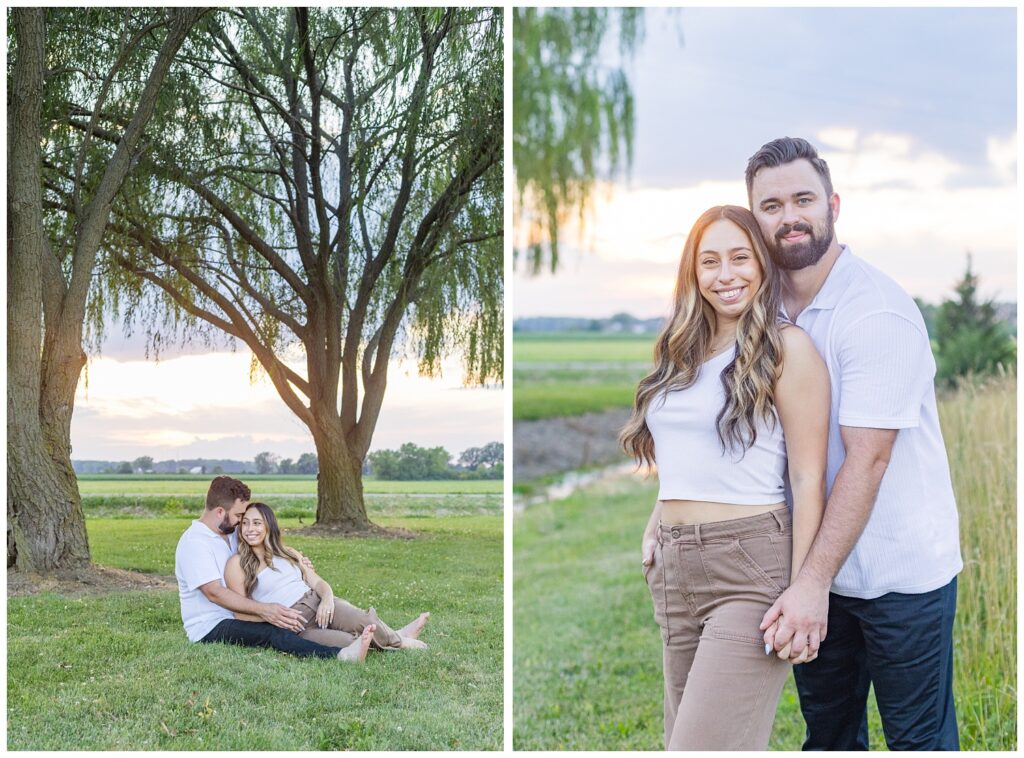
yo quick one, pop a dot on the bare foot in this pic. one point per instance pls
(356, 652)
(413, 628)
(411, 643)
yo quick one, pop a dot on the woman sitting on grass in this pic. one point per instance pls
(267, 571)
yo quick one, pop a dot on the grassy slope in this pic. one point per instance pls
(577, 584)
(115, 672)
(149, 484)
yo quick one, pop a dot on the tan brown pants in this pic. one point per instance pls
(711, 584)
(346, 624)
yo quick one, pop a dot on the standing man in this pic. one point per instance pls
(888, 547)
(207, 604)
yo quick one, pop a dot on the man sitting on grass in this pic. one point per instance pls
(207, 605)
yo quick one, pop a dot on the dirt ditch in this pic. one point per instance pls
(556, 445)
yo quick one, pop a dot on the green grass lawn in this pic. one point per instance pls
(587, 656)
(264, 486)
(115, 671)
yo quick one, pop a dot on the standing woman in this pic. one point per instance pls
(734, 390)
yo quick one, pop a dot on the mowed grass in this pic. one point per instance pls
(577, 585)
(262, 486)
(575, 373)
(115, 671)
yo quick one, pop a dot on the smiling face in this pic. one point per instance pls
(728, 272)
(254, 527)
(795, 213)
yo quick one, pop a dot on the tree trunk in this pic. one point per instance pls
(45, 522)
(45, 525)
(339, 487)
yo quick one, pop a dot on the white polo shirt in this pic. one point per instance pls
(875, 344)
(200, 558)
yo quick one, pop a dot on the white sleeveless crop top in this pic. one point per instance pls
(284, 586)
(688, 452)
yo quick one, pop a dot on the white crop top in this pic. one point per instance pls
(688, 452)
(284, 586)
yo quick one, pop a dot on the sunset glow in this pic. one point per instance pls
(204, 406)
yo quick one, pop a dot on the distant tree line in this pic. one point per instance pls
(411, 462)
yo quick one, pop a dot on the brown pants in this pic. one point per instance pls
(711, 584)
(346, 624)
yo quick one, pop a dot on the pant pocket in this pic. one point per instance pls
(760, 561)
(655, 576)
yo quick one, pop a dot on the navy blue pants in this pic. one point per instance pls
(259, 634)
(903, 644)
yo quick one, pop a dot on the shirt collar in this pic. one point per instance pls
(202, 529)
(834, 285)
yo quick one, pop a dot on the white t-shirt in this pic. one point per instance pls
(875, 344)
(198, 560)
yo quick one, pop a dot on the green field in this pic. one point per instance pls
(582, 347)
(261, 486)
(299, 507)
(115, 671)
(574, 373)
(577, 583)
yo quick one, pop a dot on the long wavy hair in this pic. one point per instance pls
(685, 343)
(249, 557)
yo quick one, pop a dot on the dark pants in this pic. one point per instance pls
(258, 634)
(903, 644)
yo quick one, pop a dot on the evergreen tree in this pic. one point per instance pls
(970, 339)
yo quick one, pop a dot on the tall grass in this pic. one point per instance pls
(577, 584)
(979, 424)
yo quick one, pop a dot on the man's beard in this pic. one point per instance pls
(225, 526)
(803, 254)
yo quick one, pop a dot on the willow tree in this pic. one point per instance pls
(572, 116)
(332, 192)
(60, 186)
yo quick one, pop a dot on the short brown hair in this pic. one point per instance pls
(785, 150)
(224, 491)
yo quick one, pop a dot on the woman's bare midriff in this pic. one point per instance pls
(703, 512)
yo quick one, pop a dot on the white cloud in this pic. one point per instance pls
(1002, 156)
(901, 210)
(839, 137)
(205, 406)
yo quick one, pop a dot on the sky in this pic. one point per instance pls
(200, 403)
(914, 110)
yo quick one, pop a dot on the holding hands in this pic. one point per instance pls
(796, 624)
